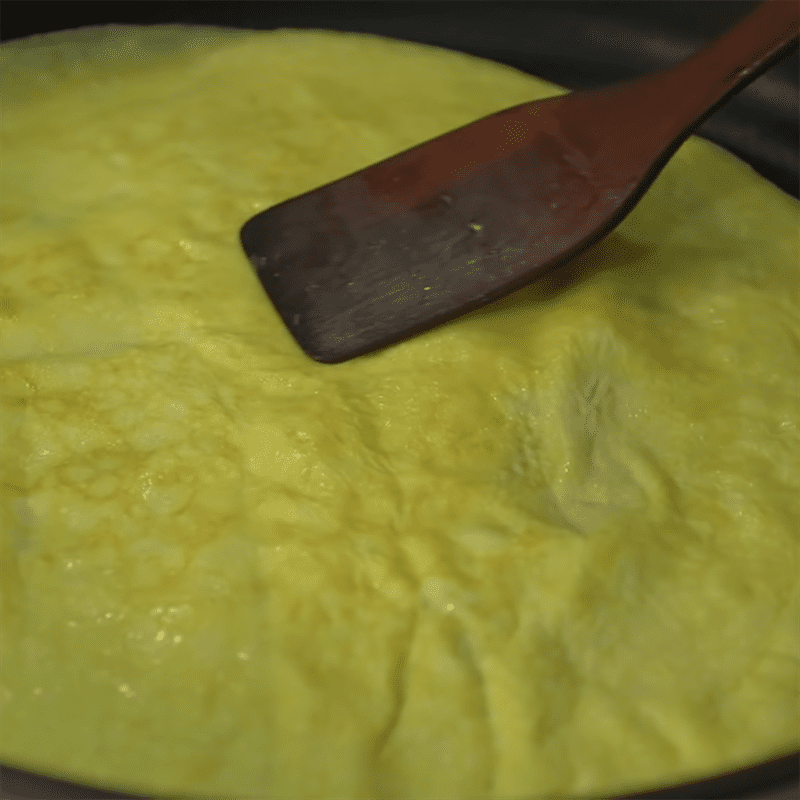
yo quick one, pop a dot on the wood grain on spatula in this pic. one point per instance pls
(461, 220)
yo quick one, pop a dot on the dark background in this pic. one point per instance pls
(575, 43)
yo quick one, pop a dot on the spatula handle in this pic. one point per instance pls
(665, 107)
(739, 56)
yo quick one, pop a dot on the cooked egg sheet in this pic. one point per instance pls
(548, 549)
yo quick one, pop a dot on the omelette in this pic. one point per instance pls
(549, 549)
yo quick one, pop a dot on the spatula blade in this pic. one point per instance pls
(381, 255)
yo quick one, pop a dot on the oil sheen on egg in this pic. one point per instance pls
(549, 549)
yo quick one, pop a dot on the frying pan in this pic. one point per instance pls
(575, 44)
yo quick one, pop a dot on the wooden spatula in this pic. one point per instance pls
(459, 221)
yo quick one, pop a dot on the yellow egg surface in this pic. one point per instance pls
(547, 550)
